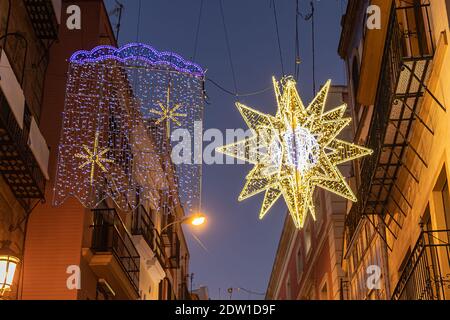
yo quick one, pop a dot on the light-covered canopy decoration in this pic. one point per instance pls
(121, 107)
(295, 151)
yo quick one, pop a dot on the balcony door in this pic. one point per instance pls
(440, 237)
(414, 20)
(447, 5)
(446, 204)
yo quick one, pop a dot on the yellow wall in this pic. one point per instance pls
(434, 149)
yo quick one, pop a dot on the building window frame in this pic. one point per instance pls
(324, 284)
(447, 6)
(300, 264)
(307, 240)
(288, 287)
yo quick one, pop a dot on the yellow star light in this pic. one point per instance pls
(168, 114)
(94, 157)
(295, 151)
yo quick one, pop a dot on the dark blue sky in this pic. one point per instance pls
(241, 249)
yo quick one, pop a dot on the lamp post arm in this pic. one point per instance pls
(174, 223)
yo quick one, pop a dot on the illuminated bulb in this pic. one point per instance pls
(302, 149)
(8, 266)
(198, 220)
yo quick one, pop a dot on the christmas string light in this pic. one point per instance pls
(138, 51)
(110, 95)
(94, 158)
(295, 151)
(168, 113)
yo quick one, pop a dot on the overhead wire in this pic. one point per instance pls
(251, 292)
(311, 16)
(138, 27)
(344, 66)
(238, 95)
(198, 30)
(277, 30)
(227, 40)
(235, 93)
(313, 35)
(297, 41)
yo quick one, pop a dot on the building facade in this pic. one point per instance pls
(308, 261)
(396, 243)
(201, 293)
(69, 252)
(395, 239)
(24, 42)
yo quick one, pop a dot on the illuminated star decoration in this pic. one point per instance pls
(168, 114)
(295, 151)
(94, 157)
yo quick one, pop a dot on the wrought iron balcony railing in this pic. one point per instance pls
(17, 162)
(111, 236)
(173, 248)
(344, 290)
(43, 18)
(144, 226)
(408, 53)
(184, 291)
(426, 276)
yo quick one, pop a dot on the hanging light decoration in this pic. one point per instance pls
(8, 266)
(121, 106)
(295, 151)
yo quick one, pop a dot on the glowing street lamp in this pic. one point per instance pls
(195, 220)
(8, 266)
(198, 220)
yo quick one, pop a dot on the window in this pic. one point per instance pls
(324, 292)
(160, 290)
(446, 204)
(300, 264)
(311, 295)
(414, 21)
(170, 295)
(426, 220)
(355, 86)
(355, 79)
(307, 239)
(320, 211)
(288, 287)
(440, 214)
(447, 4)
(103, 291)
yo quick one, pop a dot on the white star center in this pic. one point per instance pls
(302, 149)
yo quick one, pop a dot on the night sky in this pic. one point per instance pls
(240, 248)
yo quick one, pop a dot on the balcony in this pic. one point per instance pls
(172, 246)
(113, 256)
(44, 17)
(144, 226)
(426, 275)
(184, 294)
(344, 290)
(407, 58)
(23, 151)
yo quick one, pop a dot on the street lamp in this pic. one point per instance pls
(198, 220)
(195, 220)
(8, 266)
